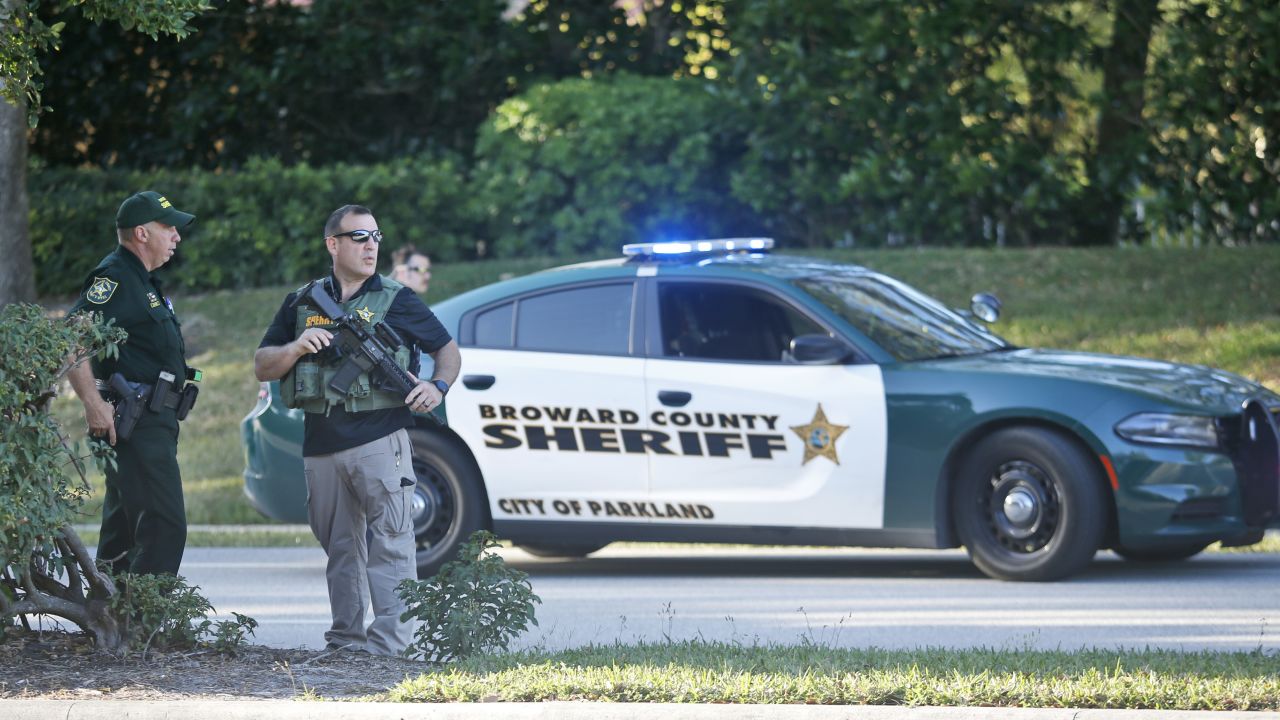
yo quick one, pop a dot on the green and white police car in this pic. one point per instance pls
(713, 391)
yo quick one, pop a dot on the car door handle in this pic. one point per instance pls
(674, 398)
(478, 382)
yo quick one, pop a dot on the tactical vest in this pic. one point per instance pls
(306, 386)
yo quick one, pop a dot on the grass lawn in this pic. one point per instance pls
(1214, 306)
(808, 673)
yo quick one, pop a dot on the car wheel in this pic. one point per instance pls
(1029, 504)
(446, 499)
(566, 550)
(1164, 554)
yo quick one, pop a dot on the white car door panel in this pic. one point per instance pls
(549, 402)
(773, 445)
(763, 440)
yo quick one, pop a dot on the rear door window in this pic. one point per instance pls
(594, 319)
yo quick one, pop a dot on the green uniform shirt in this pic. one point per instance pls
(121, 288)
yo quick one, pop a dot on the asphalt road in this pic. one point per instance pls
(846, 598)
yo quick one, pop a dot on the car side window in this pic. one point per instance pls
(493, 327)
(719, 321)
(594, 320)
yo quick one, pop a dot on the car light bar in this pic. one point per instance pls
(697, 247)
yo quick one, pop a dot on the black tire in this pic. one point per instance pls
(1030, 504)
(561, 550)
(447, 499)
(1173, 553)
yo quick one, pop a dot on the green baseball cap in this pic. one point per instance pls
(149, 206)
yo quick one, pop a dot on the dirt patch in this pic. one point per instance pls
(60, 665)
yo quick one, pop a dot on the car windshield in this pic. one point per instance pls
(903, 321)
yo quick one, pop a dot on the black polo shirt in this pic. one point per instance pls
(413, 321)
(122, 290)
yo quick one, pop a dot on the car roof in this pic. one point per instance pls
(772, 268)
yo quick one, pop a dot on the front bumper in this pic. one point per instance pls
(1184, 496)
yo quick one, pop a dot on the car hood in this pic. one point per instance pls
(1202, 387)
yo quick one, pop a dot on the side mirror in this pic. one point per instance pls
(985, 307)
(819, 350)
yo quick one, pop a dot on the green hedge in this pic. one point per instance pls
(257, 226)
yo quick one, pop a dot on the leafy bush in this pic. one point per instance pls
(38, 500)
(473, 604)
(44, 567)
(584, 165)
(163, 611)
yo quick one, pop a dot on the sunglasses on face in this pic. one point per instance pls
(420, 269)
(362, 236)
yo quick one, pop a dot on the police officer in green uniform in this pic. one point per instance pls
(144, 523)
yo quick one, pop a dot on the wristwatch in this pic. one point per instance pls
(442, 386)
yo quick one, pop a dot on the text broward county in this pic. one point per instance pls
(682, 432)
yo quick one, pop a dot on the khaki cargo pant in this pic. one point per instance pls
(353, 495)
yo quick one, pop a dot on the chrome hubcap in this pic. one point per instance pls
(1020, 507)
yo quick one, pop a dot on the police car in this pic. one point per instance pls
(712, 391)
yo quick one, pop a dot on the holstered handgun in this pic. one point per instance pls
(132, 401)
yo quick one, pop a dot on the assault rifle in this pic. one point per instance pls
(368, 351)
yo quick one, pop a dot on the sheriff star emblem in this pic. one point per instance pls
(365, 314)
(101, 290)
(819, 437)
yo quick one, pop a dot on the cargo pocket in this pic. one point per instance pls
(394, 518)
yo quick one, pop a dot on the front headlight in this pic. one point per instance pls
(1170, 429)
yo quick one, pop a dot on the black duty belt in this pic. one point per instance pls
(170, 399)
(153, 396)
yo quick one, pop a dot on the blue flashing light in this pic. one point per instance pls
(671, 248)
(697, 247)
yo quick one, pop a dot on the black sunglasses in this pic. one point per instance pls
(362, 236)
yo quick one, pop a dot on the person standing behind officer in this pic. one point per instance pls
(355, 451)
(144, 521)
(412, 268)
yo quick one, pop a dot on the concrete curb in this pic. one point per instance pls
(304, 710)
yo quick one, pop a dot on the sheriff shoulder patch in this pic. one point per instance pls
(101, 290)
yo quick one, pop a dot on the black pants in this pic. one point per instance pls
(144, 520)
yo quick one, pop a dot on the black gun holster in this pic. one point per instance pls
(131, 399)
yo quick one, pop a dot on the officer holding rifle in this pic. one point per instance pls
(345, 350)
(144, 522)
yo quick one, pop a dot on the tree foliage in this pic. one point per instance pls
(1213, 170)
(974, 122)
(909, 122)
(334, 81)
(28, 34)
(583, 166)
